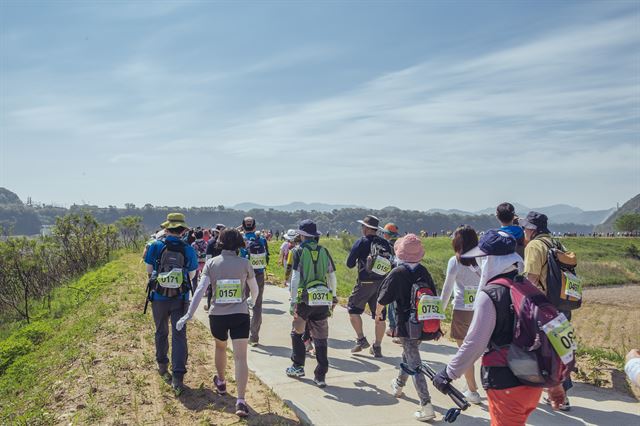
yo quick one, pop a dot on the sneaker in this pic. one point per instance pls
(163, 370)
(397, 340)
(242, 410)
(376, 351)
(565, 406)
(472, 397)
(360, 345)
(320, 382)
(177, 385)
(205, 307)
(389, 332)
(425, 413)
(397, 389)
(253, 343)
(221, 387)
(294, 371)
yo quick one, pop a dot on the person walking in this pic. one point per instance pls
(232, 280)
(491, 330)
(391, 233)
(538, 242)
(397, 288)
(463, 278)
(365, 292)
(171, 265)
(313, 296)
(506, 215)
(257, 251)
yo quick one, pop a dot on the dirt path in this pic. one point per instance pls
(619, 295)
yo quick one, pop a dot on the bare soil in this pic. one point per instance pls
(114, 380)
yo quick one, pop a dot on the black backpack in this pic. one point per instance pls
(257, 253)
(379, 260)
(172, 275)
(564, 288)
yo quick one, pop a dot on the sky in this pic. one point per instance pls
(415, 104)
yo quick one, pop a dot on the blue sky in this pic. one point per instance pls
(413, 104)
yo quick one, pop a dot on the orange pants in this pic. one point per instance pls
(511, 407)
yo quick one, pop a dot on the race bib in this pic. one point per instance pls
(171, 279)
(469, 297)
(228, 291)
(430, 307)
(573, 285)
(562, 337)
(320, 296)
(382, 266)
(258, 261)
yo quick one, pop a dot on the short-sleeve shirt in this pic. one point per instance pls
(228, 266)
(535, 259)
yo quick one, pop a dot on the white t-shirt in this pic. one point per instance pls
(460, 277)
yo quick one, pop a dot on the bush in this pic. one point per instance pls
(12, 348)
(36, 332)
(632, 252)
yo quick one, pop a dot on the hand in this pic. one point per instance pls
(633, 353)
(334, 303)
(441, 381)
(181, 322)
(556, 396)
(250, 302)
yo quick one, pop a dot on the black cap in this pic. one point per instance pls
(535, 220)
(307, 228)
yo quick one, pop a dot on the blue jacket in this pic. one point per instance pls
(245, 253)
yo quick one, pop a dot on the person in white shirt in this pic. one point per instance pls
(463, 277)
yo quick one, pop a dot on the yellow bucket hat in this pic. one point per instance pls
(175, 220)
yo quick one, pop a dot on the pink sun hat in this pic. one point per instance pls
(409, 249)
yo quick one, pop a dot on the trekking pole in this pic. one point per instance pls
(453, 393)
(150, 287)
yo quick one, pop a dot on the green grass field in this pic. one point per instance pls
(602, 261)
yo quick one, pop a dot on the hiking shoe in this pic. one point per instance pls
(205, 307)
(472, 397)
(425, 413)
(221, 387)
(294, 371)
(320, 382)
(242, 410)
(163, 369)
(253, 343)
(376, 351)
(565, 406)
(177, 385)
(389, 332)
(360, 345)
(397, 340)
(396, 388)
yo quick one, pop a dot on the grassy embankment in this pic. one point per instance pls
(606, 329)
(91, 361)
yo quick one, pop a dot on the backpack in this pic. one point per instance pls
(564, 288)
(173, 278)
(426, 309)
(313, 289)
(257, 253)
(379, 258)
(542, 352)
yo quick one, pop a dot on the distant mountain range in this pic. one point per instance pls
(557, 213)
(297, 205)
(631, 206)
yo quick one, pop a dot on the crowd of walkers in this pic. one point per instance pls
(489, 276)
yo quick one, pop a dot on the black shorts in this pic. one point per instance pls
(363, 294)
(236, 325)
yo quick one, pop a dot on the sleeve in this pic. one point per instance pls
(332, 281)
(266, 248)
(253, 287)
(295, 282)
(534, 258)
(192, 259)
(352, 259)
(387, 293)
(332, 265)
(250, 272)
(150, 257)
(632, 368)
(449, 282)
(477, 339)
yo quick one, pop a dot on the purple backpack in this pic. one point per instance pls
(541, 353)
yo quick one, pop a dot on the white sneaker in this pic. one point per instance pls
(425, 413)
(397, 389)
(472, 397)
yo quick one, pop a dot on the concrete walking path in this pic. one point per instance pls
(358, 386)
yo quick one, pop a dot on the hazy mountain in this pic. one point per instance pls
(295, 206)
(631, 206)
(557, 213)
(8, 197)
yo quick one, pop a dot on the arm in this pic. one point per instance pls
(197, 296)
(534, 259)
(353, 255)
(266, 248)
(477, 339)
(449, 282)
(632, 367)
(295, 282)
(253, 288)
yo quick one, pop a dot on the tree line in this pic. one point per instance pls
(28, 220)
